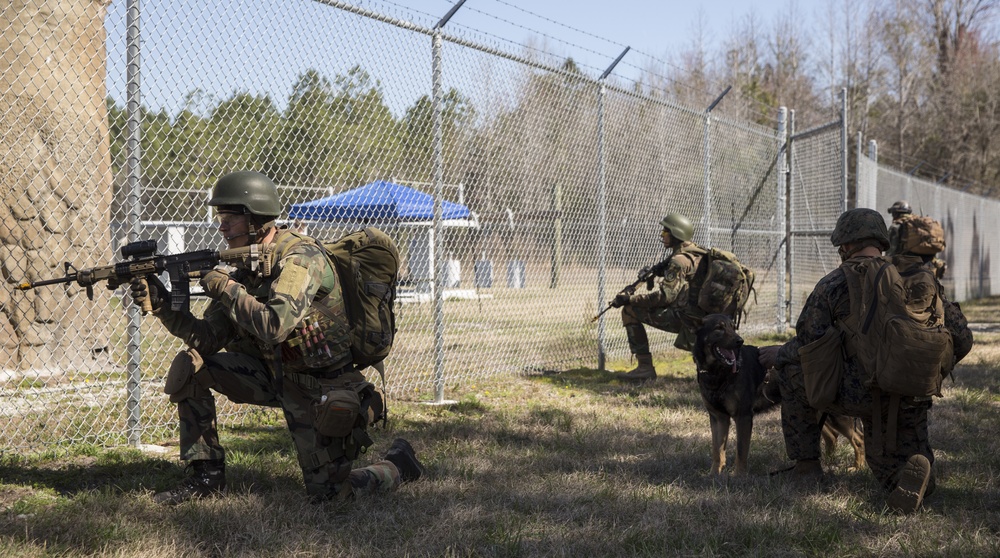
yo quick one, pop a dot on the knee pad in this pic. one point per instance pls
(185, 368)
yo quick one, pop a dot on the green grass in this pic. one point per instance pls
(561, 463)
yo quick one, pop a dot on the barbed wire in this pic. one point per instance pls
(647, 71)
(915, 166)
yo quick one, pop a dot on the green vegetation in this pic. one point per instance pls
(560, 463)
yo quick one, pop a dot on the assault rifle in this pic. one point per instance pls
(141, 260)
(646, 275)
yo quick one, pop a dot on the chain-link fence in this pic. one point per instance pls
(546, 188)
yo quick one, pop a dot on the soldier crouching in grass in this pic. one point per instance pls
(253, 316)
(666, 306)
(897, 446)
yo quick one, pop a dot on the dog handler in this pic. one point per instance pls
(666, 305)
(904, 472)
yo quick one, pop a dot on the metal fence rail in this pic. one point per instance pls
(565, 178)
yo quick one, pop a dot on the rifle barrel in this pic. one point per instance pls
(28, 285)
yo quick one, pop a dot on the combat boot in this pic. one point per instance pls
(401, 455)
(207, 478)
(806, 473)
(912, 485)
(644, 370)
(807, 470)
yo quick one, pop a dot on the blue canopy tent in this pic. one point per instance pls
(377, 201)
(388, 205)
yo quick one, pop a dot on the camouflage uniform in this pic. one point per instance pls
(938, 266)
(666, 306)
(894, 247)
(829, 303)
(250, 321)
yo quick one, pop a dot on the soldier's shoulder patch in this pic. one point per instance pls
(293, 279)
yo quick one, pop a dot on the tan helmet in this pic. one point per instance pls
(855, 225)
(901, 207)
(251, 190)
(679, 226)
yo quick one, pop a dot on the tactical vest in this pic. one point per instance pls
(320, 343)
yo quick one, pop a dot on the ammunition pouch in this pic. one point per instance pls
(319, 342)
(187, 365)
(337, 413)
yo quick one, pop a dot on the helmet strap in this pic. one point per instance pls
(259, 230)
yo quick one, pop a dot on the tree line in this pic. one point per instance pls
(922, 78)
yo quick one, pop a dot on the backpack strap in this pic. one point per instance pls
(695, 254)
(886, 444)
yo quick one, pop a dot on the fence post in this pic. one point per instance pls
(602, 209)
(789, 237)
(706, 217)
(843, 149)
(781, 210)
(133, 164)
(436, 261)
(602, 227)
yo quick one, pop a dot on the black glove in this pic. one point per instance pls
(621, 299)
(150, 289)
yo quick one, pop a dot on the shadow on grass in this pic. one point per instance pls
(665, 391)
(120, 472)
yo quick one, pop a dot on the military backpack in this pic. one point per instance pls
(896, 330)
(723, 284)
(367, 264)
(922, 235)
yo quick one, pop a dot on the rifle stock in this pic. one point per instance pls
(142, 261)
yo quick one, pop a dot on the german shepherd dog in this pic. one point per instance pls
(734, 387)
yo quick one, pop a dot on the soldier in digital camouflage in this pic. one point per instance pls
(665, 306)
(245, 347)
(905, 472)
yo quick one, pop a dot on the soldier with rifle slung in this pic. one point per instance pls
(665, 306)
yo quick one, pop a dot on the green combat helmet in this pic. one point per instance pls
(251, 190)
(679, 226)
(252, 193)
(901, 207)
(855, 225)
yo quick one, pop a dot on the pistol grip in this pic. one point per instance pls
(147, 304)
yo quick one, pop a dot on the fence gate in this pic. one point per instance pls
(817, 196)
